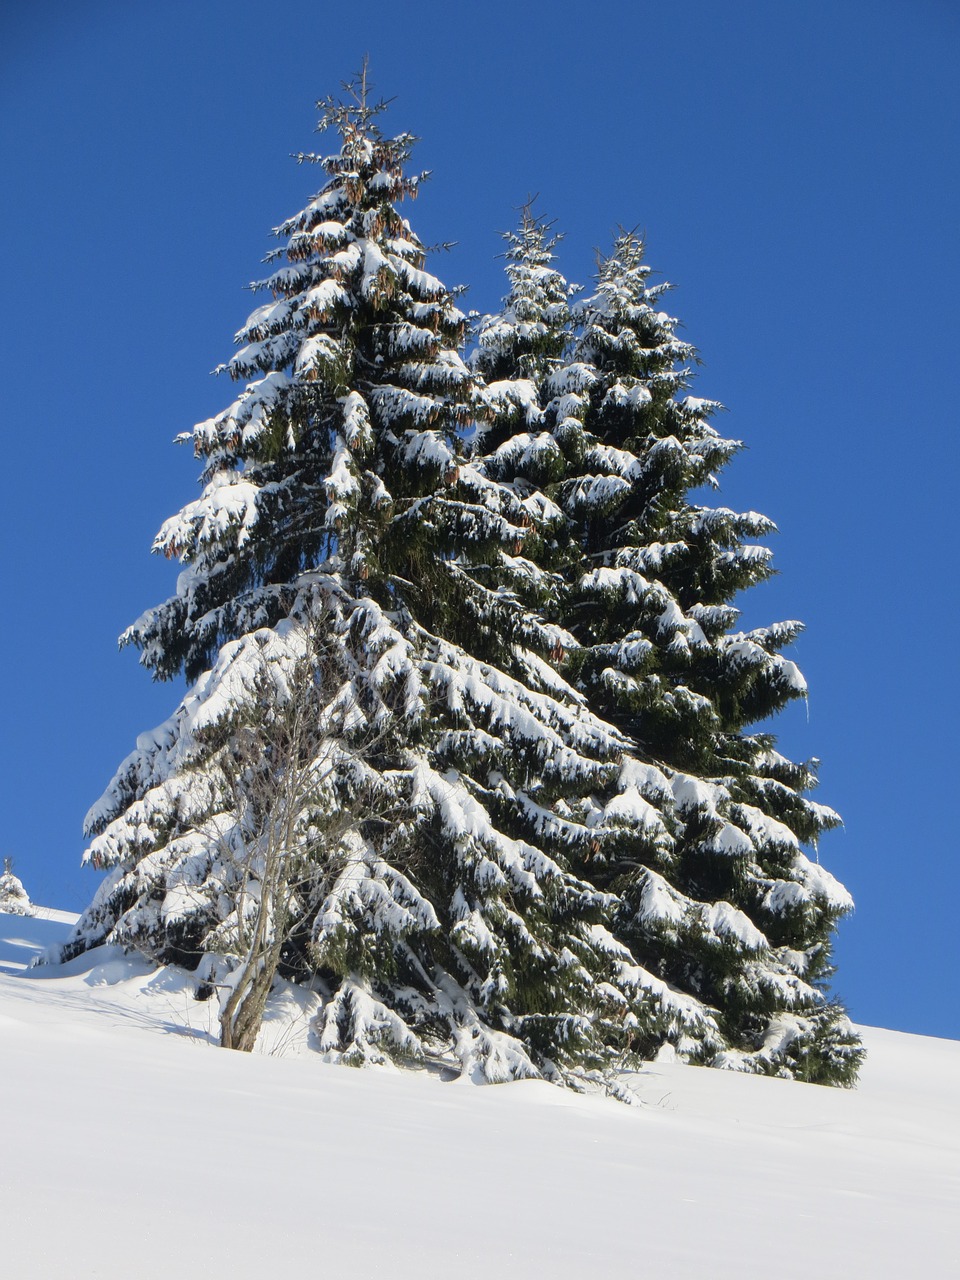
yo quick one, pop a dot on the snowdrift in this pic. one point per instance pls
(131, 1146)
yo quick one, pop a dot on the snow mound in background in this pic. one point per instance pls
(131, 1145)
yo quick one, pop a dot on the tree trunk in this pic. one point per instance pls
(242, 1015)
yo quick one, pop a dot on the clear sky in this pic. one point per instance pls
(795, 170)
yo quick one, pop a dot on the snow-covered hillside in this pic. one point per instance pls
(132, 1147)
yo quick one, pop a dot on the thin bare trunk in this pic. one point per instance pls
(276, 768)
(242, 1014)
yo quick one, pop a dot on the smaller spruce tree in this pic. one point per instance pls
(13, 897)
(723, 905)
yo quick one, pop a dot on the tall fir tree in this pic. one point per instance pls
(347, 557)
(727, 908)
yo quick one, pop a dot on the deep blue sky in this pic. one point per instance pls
(795, 169)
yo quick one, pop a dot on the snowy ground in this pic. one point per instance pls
(130, 1147)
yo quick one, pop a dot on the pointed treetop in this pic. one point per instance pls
(358, 86)
(532, 243)
(355, 113)
(357, 104)
(365, 152)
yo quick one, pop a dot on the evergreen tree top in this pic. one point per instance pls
(623, 327)
(532, 330)
(368, 164)
(356, 396)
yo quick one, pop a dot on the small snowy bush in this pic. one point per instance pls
(13, 896)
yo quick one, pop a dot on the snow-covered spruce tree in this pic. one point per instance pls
(440, 919)
(730, 910)
(13, 897)
(519, 348)
(599, 431)
(517, 353)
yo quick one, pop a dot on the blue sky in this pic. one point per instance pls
(795, 170)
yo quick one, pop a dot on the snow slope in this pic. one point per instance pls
(131, 1147)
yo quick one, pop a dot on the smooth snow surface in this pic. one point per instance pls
(132, 1147)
